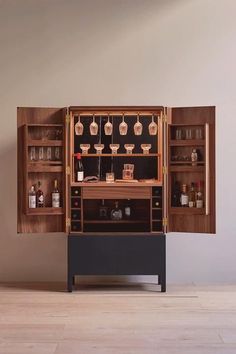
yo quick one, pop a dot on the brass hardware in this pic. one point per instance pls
(67, 119)
(164, 170)
(68, 223)
(164, 221)
(68, 170)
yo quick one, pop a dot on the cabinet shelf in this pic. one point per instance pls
(187, 168)
(32, 142)
(116, 184)
(47, 167)
(120, 155)
(116, 221)
(44, 211)
(183, 210)
(173, 163)
(191, 142)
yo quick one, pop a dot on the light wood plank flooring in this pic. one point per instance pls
(44, 319)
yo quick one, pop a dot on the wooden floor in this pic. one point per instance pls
(44, 319)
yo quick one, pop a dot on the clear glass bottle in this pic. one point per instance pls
(127, 209)
(194, 157)
(199, 195)
(116, 213)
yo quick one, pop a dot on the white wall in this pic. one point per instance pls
(119, 52)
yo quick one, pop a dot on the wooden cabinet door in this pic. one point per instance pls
(41, 156)
(191, 128)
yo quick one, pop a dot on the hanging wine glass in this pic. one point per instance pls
(138, 127)
(79, 128)
(152, 128)
(108, 127)
(93, 127)
(123, 127)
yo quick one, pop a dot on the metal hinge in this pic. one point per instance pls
(164, 221)
(68, 170)
(164, 170)
(68, 222)
(164, 118)
(68, 119)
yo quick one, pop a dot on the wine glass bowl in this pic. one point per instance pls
(85, 148)
(138, 127)
(123, 127)
(146, 148)
(114, 148)
(99, 148)
(108, 127)
(129, 148)
(93, 127)
(152, 128)
(79, 128)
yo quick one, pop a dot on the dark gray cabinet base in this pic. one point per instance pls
(139, 254)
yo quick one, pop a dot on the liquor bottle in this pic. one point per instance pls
(79, 169)
(32, 197)
(199, 195)
(176, 195)
(127, 209)
(39, 196)
(192, 196)
(103, 210)
(116, 213)
(194, 157)
(55, 195)
(184, 196)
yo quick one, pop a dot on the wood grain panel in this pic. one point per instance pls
(116, 193)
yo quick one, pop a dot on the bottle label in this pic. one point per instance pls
(80, 176)
(191, 204)
(184, 200)
(199, 204)
(32, 201)
(41, 199)
(55, 200)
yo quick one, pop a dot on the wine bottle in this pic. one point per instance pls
(39, 196)
(55, 195)
(79, 169)
(192, 196)
(184, 196)
(32, 197)
(116, 213)
(199, 195)
(176, 195)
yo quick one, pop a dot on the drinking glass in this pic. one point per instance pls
(123, 127)
(85, 148)
(129, 148)
(41, 153)
(49, 153)
(99, 148)
(93, 127)
(188, 134)
(146, 148)
(108, 127)
(110, 177)
(114, 148)
(152, 128)
(79, 128)
(198, 133)
(128, 172)
(57, 153)
(32, 153)
(178, 134)
(138, 127)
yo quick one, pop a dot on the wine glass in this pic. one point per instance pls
(99, 148)
(93, 127)
(114, 148)
(108, 127)
(85, 148)
(152, 128)
(129, 148)
(138, 127)
(123, 127)
(79, 128)
(146, 148)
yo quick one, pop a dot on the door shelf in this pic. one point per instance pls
(44, 211)
(32, 142)
(44, 168)
(189, 211)
(116, 221)
(120, 155)
(192, 142)
(187, 168)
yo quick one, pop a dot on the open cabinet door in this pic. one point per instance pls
(191, 162)
(41, 156)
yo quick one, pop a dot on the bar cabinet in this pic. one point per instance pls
(169, 150)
